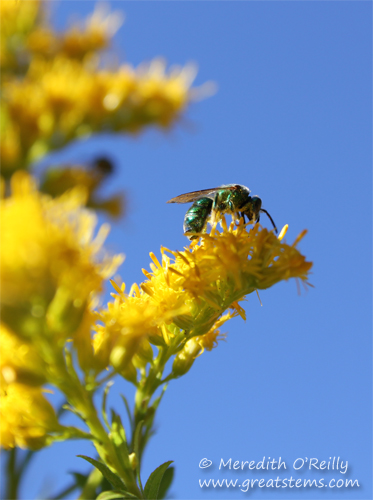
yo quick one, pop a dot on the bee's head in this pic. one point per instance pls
(257, 205)
(252, 208)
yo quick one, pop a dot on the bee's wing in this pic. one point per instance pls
(196, 195)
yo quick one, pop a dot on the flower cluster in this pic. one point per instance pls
(52, 268)
(25, 34)
(50, 260)
(190, 294)
(73, 99)
(27, 418)
(55, 90)
(80, 40)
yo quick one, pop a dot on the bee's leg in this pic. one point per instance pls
(231, 210)
(231, 206)
(213, 210)
(242, 214)
(213, 217)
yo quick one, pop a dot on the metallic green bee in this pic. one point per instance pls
(211, 204)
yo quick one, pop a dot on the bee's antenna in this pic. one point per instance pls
(270, 218)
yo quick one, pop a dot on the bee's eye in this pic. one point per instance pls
(257, 203)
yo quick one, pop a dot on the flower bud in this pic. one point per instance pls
(185, 358)
(144, 355)
(133, 461)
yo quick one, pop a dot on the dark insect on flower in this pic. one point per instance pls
(211, 204)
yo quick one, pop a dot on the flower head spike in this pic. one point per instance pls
(189, 295)
(212, 275)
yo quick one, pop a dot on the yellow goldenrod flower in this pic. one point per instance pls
(18, 19)
(20, 361)
(182, 303)
(54, 88)
(60, 99)
(211, 276)
(42, 41)
(57, 180)
(79, 40)
(210, 339)
(195, 346)
(235, 262)
(26, 417)
(124, 326)
(185, 358)
(51, 264)
(10, 150)
(25, 33)
(94, 35)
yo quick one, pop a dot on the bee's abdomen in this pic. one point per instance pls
(195, 219)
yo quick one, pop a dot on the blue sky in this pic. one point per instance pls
(292, 120)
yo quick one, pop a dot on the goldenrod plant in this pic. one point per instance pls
(55, 336)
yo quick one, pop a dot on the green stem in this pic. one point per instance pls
(13, 478)
(14, 473)
(66, 491)
(104, 446)
(93, 481)
(67, 380)
(146, 389)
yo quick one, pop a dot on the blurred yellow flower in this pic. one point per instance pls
(20, 361)
(55, 90)
(59, 179)
(10, 150)
(63, 98)
(25, 33)
(51, 263)
(18, 19)
(26, 417)
(93, 35)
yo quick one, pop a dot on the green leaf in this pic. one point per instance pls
(153, 483)
(137, 450)
(166, 482)
(159, 398)
(104, 398)
(106, 472)
(118, 437)
(115, 494)
(118, 434)
(94, 481)
(128, 410)
(80, 479)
